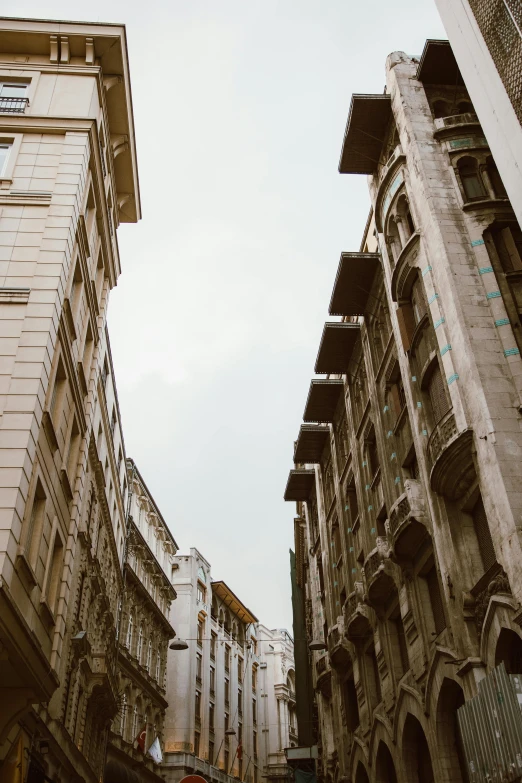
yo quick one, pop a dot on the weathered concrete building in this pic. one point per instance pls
(144, 633)
(231, 693)
(68, 177)
(408, 462)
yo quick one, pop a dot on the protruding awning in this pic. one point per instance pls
(438, 64)
(364, 135)
(225, 594)
(299, 485)
(323, 399)
(353, 282)
(336, 348)
(310, 443)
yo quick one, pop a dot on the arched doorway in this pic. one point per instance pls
(509, 651)
(416, 753)
(385, 768)
(361, 776)
(451, 697)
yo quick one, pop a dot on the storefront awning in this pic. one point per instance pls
(310, 443)
(353, 283)
(336, 348)
(365, 132)
(323, 398)
(299, 485)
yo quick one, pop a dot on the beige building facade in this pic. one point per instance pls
(144, 633)
(408, 461)
(68, 178)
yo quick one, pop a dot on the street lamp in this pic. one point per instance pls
(228, 733)
(178, 644)
(317, 644)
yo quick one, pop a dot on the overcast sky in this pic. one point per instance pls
(240, 108)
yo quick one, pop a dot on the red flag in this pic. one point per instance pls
(239, 751)
(140, 739)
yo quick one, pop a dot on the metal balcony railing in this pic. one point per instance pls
(14, 105)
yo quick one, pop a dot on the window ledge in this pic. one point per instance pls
(46, 612)
(23, 565)
(485, 203)
(400, 419)
(376, 478)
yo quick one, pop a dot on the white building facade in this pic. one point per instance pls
(230, 689)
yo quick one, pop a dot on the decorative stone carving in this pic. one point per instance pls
(498, 584)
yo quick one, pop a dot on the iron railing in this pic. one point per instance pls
(13, 105)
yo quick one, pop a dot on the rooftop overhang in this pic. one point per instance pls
(364, 135)
(300, 484)
(323, 398)
(353, 283)
(438, 64)
(91, 46)
(230, 599)
(310, 443)
(336, 348)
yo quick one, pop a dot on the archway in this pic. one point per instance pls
(451, 697)
(361, 776)
(509, 651)
(416, 753)
(384, 767)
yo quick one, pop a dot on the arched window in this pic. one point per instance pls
(404, 214)
(158, 665)
(123, 715)
(418, 300)
(440, 109)
(139, 648)
(149, 656)
(393, 240)
(465, 107)
(471, 179)
(134, 722)
(439, 398)
(494, 177)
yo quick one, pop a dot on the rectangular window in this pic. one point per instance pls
(199, 663)
(211, 716)
(227, 726)
(201, 593)
(254, 743)
(13, 97)
(227, 658)
(198, 705)
(254, 677)
(54, 576)
(227, 757)
(5, 150)
(201, 630)
(227, 690)
(254, 711)
(213, 643)
(196, 743)
(211, 752)
(212, 679)
(240, 669)
(36, 522)
(240, 701)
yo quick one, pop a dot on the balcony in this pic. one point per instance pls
(357, 617)
(337, 647)
(407, 523)
(336, 348)
(310, 443)
(13, 105)
(323, 676)
(378, 572)
(299, 485)
(323, 399)
(451, 459)
(353, 282)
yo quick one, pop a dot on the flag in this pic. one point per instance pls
(13, 768)
(239, 752)
(140, 739)
(155, 751)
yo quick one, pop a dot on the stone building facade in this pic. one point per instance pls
(408, 462)
(144, 634)
(224, 692)
(68, 177)
(486, 37)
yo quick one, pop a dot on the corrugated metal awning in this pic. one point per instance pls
(365, 132)
(310, 443)
(353, 282)
(299, 485)
(323, 398)
(336, 348)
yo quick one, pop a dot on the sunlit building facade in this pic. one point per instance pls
(68, 178)
(408, 461)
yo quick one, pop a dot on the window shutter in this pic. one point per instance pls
(483, 533)
(436, 600)
(406, 323)
(439, 397)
